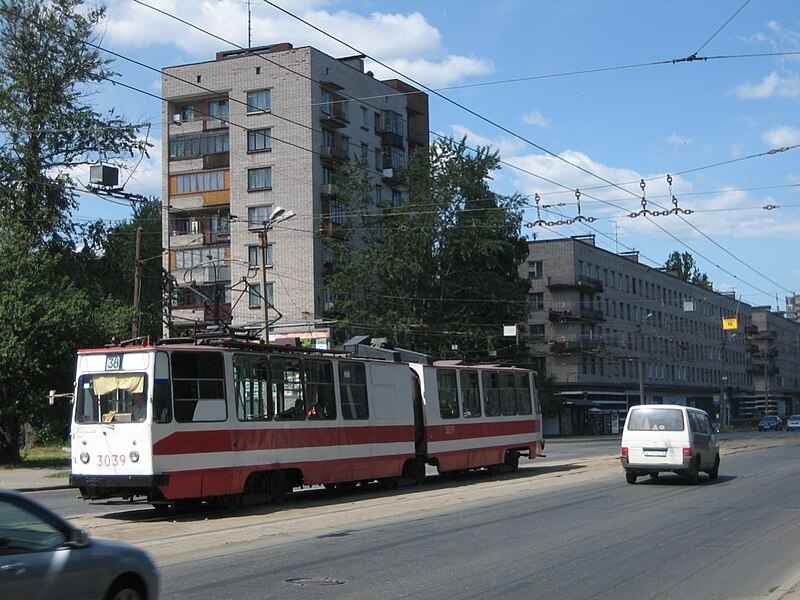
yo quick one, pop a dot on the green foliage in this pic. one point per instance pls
(438, 271)
(51, 299)
(551, 401)
(684, 267)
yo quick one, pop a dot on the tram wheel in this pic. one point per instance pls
(512, 460)
(278, 486)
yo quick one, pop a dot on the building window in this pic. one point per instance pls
(187, 112)
(378, 159)
(218, 111)
(187, 259)
(259, 140)
(259, 179)
(397, 198)
(397, 157)
(536, 301)
(259, 101)
(535, 270)
(537, 332)
(255, 297)
(257, 216)
(364, 118)
(327, 102)
(199, 145)
(206, 181)
(254, 256)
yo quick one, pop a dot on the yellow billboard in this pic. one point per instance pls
(728, 324)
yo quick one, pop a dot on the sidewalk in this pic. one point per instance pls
(32, 479)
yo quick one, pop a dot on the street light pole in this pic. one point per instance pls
(641, 360)
(723, 380)
(277, 215)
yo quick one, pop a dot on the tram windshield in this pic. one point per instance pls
(111, 398)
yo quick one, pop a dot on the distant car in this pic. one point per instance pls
(771, 422)
(793, 423)
(43, 556)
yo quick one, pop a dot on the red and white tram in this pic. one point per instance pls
(228, 419)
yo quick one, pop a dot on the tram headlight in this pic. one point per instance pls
(84, 458)
(134, 456)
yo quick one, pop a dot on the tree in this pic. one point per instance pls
(47, 305)
(683, 265)
(112, 261)
(437, 272)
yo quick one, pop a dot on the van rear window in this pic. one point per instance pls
(657, 419)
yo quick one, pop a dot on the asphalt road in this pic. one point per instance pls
(567, 526)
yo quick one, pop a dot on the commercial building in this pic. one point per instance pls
(614, 332)
(258, 129)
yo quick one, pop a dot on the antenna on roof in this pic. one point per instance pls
(249, 28)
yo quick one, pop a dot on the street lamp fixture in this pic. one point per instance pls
(278, 215)
(641, 360)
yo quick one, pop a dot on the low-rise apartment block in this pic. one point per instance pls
(614, 332)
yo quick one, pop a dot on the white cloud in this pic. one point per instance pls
(421, 55)
(435, 73)
(505, 146)
(781, 136)
(773, 85)
(537, 119)
(679, 140)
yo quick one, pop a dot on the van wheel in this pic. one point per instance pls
(692, 472)
(714, 472)
(630, 476)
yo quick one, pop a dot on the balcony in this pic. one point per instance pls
(333, 117)
(582, 314)
(330, 228)
(753, 333)
(587, 284)
(332, 154)
(213, 313)
(390, 176)
(218, 160)
(579, 345)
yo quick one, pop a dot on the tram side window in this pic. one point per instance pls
(522, 390)
(448, 393)
(353, 390)
(491, 393)
(508, 402)
(320, 390)
(287, 388)
(162, 391)
(251, 383)
(470, 394)
(198, 386)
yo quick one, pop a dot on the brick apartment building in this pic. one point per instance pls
(258, 129)
(614, 332)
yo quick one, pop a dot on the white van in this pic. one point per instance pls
(668, 437)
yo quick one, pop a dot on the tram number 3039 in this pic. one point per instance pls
(110, 460)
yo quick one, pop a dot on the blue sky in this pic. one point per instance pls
(574, 94)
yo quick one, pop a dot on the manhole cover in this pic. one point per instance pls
(314, 581)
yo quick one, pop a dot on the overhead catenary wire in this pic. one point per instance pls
(609, 184)
(506, 130)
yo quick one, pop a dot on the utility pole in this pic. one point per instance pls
(262, 236)
(278, 215)
(137, 283)
(723, 380)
